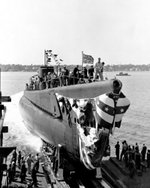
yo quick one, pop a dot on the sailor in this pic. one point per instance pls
(53, 79)
(48, 80)
(98, 67)
(76, 74)
(66, 76)
(117, 146)
(85, 72)
(101, 71)
(60, 76)
(91, 72)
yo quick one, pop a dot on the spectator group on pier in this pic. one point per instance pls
(26, 164)
(65, 77)
(132, 156)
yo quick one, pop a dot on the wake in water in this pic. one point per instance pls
(18, 135)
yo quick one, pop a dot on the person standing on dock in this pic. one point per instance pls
(117, 146)
(13, 169)
(29, 162)
(148, 158)
(19, 159)
(137, 159)
(37, 162)
(124, 149)
(33, 175)
(14, 156)
(143, 152)
(10, 174)
(23, 172)
(136, 147)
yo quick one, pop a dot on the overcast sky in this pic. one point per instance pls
(118, 31)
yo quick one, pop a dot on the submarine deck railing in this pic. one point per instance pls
(56, 82)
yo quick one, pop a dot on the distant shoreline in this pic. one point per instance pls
(107, 68)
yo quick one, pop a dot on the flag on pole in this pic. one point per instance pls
(87, 59)
(50, 58)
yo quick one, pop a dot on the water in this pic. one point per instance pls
(135, 125)
(13, 84)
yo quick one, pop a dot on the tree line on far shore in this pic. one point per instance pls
(107, 68)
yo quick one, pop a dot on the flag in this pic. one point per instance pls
(109, 111)
(87, 59)
(84, 155)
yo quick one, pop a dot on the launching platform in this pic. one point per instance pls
(118, 175)
(114, 175)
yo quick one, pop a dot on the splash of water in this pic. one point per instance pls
(18, 135)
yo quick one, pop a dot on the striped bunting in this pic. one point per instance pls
(110, 109)
(84, 156)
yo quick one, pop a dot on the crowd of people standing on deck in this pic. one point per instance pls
(26, 165)
(134, 158)
(65, 77)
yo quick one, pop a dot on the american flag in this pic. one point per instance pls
(110, 109)
(87, 59)
(84, 156)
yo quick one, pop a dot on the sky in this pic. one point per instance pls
(117, 31)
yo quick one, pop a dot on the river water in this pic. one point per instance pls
(135, 125)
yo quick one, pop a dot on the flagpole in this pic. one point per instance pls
(82, 59)
(44, 57)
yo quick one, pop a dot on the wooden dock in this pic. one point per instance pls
(42, 183)
(118, 174)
